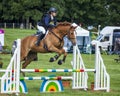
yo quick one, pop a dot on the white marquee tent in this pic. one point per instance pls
(81, 32)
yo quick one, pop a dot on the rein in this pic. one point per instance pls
(56, 36)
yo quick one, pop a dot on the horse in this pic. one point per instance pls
(52, 42)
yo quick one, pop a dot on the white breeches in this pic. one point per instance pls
(41, 28)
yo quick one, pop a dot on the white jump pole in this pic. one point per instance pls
(96, 81)
(79, 78)
(74, 67)
(18, 65)
(12, 85)
(102, 78)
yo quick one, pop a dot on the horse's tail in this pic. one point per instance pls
(14, 46)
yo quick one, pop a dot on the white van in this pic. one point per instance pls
(107, 37)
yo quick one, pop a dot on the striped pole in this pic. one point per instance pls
(52, 70)
(47, 78)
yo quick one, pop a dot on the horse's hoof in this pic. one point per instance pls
(60, 62)
(51, 59)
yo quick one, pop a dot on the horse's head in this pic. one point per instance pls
(71, 34)
(66, 28)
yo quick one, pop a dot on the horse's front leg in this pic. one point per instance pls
(52, 59)
(64, 57)
(60, 52)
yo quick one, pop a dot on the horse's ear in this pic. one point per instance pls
(74, 25)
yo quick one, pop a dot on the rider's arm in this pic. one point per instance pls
(48, 20)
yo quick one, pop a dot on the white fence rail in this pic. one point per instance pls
(102, 78)
(10, 80)
(79, 78)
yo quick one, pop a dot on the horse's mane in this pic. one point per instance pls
(63, 24)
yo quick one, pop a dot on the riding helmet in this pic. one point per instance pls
(52, 9)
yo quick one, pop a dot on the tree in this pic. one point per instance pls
(88, 12)
(114, 12)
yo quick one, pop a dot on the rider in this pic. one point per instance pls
(47, 22)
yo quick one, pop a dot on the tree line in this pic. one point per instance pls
(85, 12)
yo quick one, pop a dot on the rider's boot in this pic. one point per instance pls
(40, 37)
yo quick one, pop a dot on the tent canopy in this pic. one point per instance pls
(81, 32)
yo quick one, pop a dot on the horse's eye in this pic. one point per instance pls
(71, 33)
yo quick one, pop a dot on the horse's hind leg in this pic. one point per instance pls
(24, 55)
(26, 63)
(29, 59)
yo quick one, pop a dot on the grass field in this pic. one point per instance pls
(113, 69)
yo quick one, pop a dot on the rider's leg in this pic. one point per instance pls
(40, 37)
(41, 34)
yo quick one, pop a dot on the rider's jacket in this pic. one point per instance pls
(47, 21)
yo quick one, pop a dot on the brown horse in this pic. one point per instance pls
(52, 42)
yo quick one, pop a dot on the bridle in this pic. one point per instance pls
(58, 36)
(70, 33)
(61, 39)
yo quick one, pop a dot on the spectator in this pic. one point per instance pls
(117, 45)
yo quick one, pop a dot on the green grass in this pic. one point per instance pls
(113, 69)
